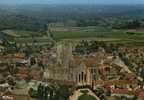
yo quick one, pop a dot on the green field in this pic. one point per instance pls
(86, 97)
(28, 37)
(77, 33)
(24, 34)
(97, 33)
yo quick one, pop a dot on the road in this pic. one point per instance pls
(78, 93)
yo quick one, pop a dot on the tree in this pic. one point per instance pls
(39, 91)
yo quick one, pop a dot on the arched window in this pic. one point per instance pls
(79, 77)
(85, 77)
(82, 76)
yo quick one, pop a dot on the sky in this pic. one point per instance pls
(71, 1)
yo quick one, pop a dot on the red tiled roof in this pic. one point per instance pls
(89, 62)
(111, 82)
(23, 70)
(121, 91)
(138, 91)
(36, 75)
(92, 60)
(16, 55)
(19, 55)
(141, 95)
(22, 76)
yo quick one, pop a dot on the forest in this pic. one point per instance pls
(36, 17)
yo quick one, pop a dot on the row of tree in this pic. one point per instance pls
(86, 47)
(51, 92)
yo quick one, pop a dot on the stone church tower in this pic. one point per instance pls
(64, 54)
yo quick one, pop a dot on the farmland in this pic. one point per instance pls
(19, 33)
(96, 33)
(14, 40)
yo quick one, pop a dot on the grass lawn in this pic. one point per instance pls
(86, 97)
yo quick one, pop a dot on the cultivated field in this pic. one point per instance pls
(96, 33)
(18, 33)
(29, 37)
